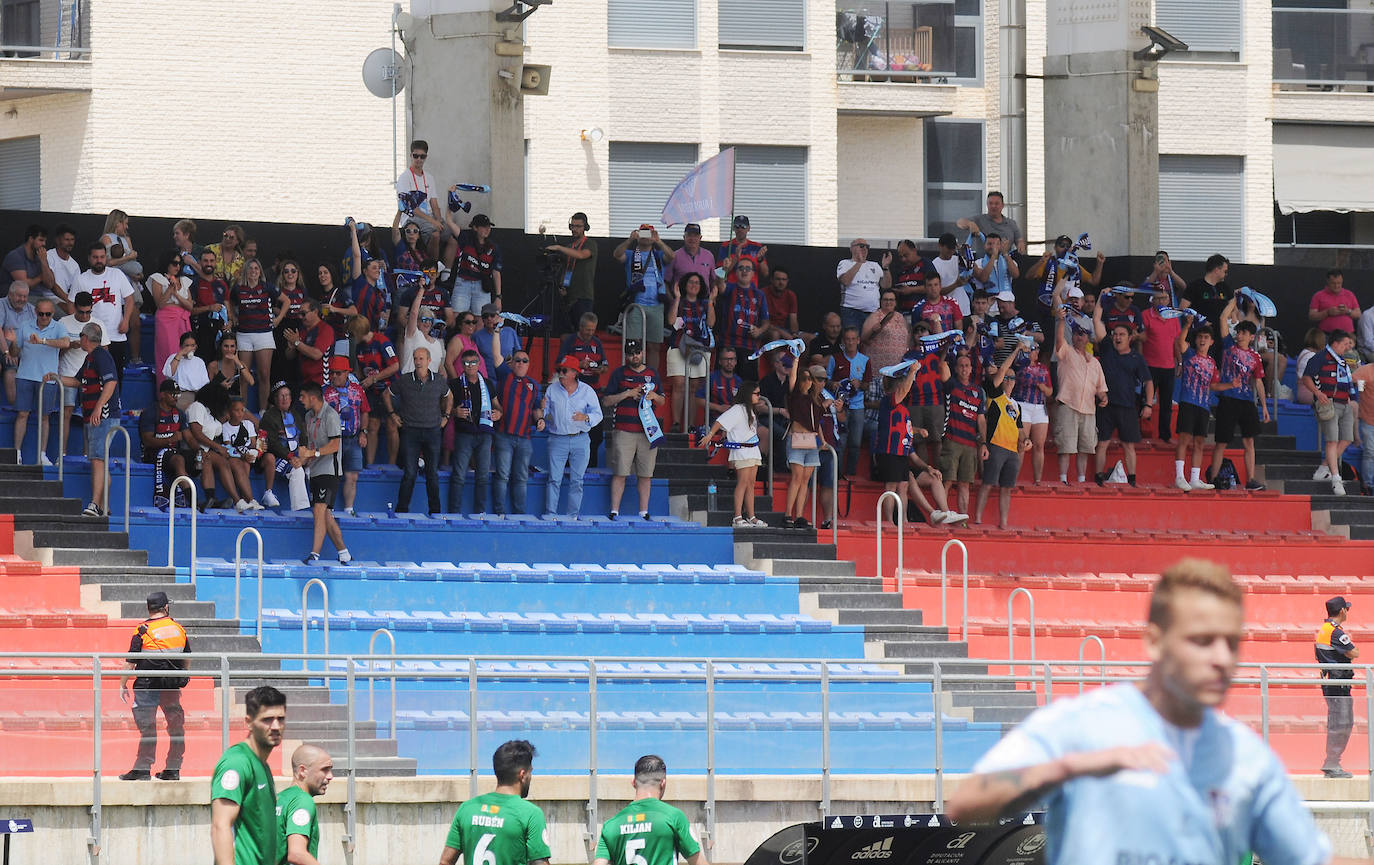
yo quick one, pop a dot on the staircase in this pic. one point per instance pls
(1282, 466)
(51, 530)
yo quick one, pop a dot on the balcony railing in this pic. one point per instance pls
(895, 42)
(44, 29)
(1324, 49)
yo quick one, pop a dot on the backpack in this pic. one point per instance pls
(1226, 477)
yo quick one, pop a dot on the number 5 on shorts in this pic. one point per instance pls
(632, 849)
(483, 854)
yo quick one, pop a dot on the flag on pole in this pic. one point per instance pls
(707, 191)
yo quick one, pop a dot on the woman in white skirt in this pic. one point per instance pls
(739, 423)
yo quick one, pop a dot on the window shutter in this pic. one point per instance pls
(1200, 206)
(1206, 25)
(642, 176)
(20, 175)
(770, 189)
(652, 24)
(763, 24)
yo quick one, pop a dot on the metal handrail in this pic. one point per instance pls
(944, 575)
(643, 327)
(834, 484)
(172, 522)
(305, 618)
(1102, 649)
(705, 403)
(61, 427)
(900, 509)
(371, 681)
(1011, 624)
(772, 440)
(128, 471)
(238, 568)
(687, 390)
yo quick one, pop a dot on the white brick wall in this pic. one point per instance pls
(65, 151)
(877, 204)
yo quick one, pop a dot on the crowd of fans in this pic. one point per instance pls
(403, 349)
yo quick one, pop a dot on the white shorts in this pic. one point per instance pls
(256, 341)
(1032, 414)
(677, 365)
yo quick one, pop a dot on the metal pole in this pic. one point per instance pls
(706, 403)
(128, 471)
(1048, 684)
(944, 575)
(825, 739)
(938, 696)
(1264, 704)
(305, 619)
(238, 567)
(1011, 625)
(1369, 734)
(772, 443)
(172, 523)
(225, 698)
(589, 834)
(472, 727)
(643, 326)
(93, 842)
(834, 485)
(351, 806)
(900, 508)
(371, 664)
(711, 751)
(61, 427)
(1083, 644)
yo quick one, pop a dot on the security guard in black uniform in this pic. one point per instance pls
(1333, 646)
(157, 638)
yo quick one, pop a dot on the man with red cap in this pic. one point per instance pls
(347, 397)
(571, 408)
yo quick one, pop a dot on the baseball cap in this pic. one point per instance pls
(633, 346)
(1063, 239)
(741, 222)
(1007, 296)
(157, 600)
(691, 228)
(1333, 605)
(646, 226)
(570, 361)
(481, 219)
(169, 386)
(339, 364)
(490, 309)
(1075, 291)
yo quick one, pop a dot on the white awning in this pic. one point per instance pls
(1321, 167)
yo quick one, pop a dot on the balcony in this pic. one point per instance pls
(1324, 50)
(904, 58)
(44, 47)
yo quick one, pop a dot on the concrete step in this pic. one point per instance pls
(925, 668)
(898, 631)
(1353, 518)
(1001, 714)
(1286, 456)
(725, 518)
(369, 749)
(826, 583)
(1362, 533)
(883, 617)
(1271, 441)
(253, 666)
(83, 556)
(812, 568)
(1309, 487)
(26, 505)
(925, 649)
(979, 699)
(674, 471)
(81, 539)
(61, 522)
(140, 591)
(379, 767)
(31, 483)
(127, 575)
(1287, 471)
(191, 609)
(850, 600)
(784, 548)
(724, 499)
(235, 643)
(679, 456)
(1342, 504)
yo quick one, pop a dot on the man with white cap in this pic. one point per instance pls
(1008, 328)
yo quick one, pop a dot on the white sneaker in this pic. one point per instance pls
(253, 505)
(1338, 486)
(241, 506)
(345, 557)
(47, 463)
(269, 499)
(1200, 484)
(937, 517)
(422, 462)
(1322, 473)
(952, 517)
(1182, 483)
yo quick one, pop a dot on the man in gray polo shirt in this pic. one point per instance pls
(420, 401)
(320, 454)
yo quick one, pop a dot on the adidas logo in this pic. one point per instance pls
(877, 850)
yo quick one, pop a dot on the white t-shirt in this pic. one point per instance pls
(64, 271)
(735, 422)
(862, 292)
(436, 353)
(949, 274)
(157, 282)
(190, 375)
(110, 288)
(211, 428)
(237, 437)
(409, 180)
(70, 360)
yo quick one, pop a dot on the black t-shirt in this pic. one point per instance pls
(823, 346)
(1208, 299)
(468, 394)
(774, 390)
(1123, 372)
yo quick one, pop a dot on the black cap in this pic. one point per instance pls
(633, 346)
(157, 600)
(692, 228)
(741, 221)
(481, 219)
(1336, 604)
(169, 386)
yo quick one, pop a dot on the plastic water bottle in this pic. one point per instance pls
(390, 509)
(711, 495)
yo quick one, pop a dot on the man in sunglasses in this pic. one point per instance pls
(414, 179)
(35, 347)
(860, 280)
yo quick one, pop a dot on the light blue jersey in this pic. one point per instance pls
(1225, 794)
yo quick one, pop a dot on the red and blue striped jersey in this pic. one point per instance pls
(626, 415)
(1130, 316)
(944, 312)
(1327, 373)
(164, 425)
(95, 373)
(370, 301)
(295, 300)
(590, 353)
(373, 357)
(749, 249)
(1027, 390)
(925, 387)
(894, 428)
(209, 291)
(518, 395)
(1240, 364)
(254, 307)
(1198, 372)
(904, 279)
(694, 320)
(723, 388)
(350, 402)
(745, 306)
(964, 403)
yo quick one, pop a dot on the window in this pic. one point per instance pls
(642, 176)
(19, 25)
(954, 173)
(778, 25)
(19, 174)
(652, 24)
(1208, 26)
(968, 41)
(1201, 206)
(770, 189)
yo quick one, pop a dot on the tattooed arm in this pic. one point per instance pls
(993, 794)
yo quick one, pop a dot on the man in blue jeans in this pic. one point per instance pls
(520, 398)
(97, 385)
(419, 401)
(475, 412)
(571, 408)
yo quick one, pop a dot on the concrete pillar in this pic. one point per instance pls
(465, 100)
(1101, 125)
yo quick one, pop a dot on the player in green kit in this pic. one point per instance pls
(243, 795)
(312, 769)
(501, 828)
(648, 831)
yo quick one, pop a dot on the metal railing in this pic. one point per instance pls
(772, 441)
(1011, 622)
(834, 486)
(128, 471)
(305, 615)
(238, 569)
(371, 695)
(643, 326)
(1323, 49)
(899, 508)
(61, 428)
(172, 522)
(1102, 650)
(911, 42)
(715, 676)
(45, 30)
(944, 578)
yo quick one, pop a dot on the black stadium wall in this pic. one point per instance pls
(812, 268)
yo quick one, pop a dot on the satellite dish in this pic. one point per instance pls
(384, 73)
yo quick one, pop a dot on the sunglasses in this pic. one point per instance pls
(229, 234)
(426, 318)
(469, 363)
(43, 314)
(289, 270)
(468, 321)
(861, 246)
(419, 156)
(520, 360)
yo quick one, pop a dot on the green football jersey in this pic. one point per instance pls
(646, 832)
(296, 816)
(246, 781)
(499, 829)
